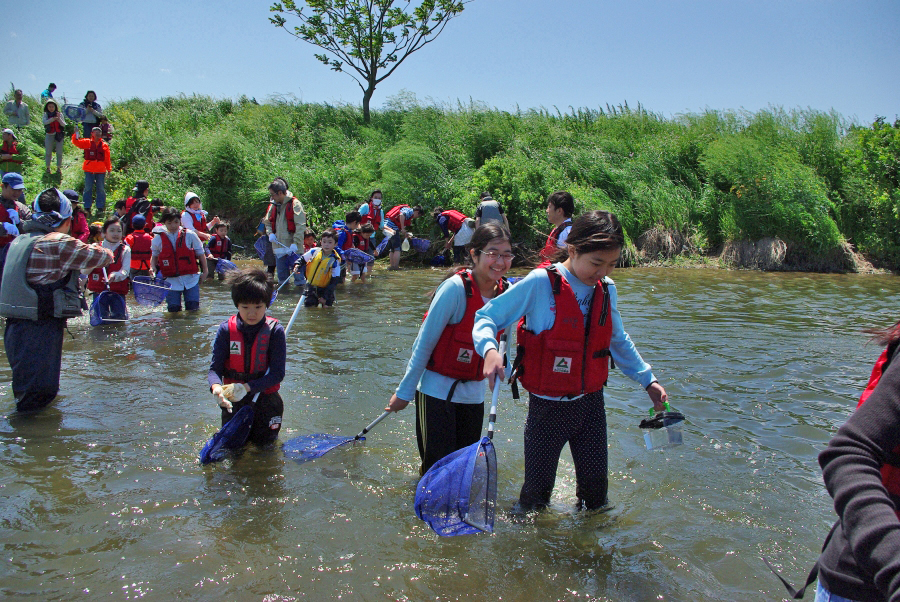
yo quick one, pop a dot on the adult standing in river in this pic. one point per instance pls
(17, 111)
(489, 211)
(94, 112)
(39, 293)
(285, 224)
(396, 222)
(96, 165)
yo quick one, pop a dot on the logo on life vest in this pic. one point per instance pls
(235, 348)
(562, 364)
(165, 262)
(464, 356)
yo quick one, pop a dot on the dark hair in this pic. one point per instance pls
(436, 214)
(250, 285)
(563, 200)
(49, 200)
(108, 223)
(374, 192)
(141, 186)
(120, 204)
(88, 93)
(593, 231)
(328, 233)
(278, 185)
(283, 179)
(51, 85)
(885, 336)
(485, 196)
(307, 233)
(48, 112)
(221, 224)
(168, 214)
(418, 209)
(352, 216)
(93, 231)
(367, 228)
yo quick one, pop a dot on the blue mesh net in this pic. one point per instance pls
(223, 265)
(260, 246)
(231, 436)
(458, 494)
(356, 256)
(309, 447)
(108, 308)
(420, 244)
(148, 291)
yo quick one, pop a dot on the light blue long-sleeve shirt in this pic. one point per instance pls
(532, 297)
(364, 210)
(447, 307)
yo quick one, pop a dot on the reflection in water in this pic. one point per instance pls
(102, 493)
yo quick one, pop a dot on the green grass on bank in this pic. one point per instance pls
(808, 177)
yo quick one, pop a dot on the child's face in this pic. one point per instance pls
(327, 243)
(172, 225)
(222, 230)
(309, 241)
(494, 260)
(251, 313)
(593, 266)
(194, 204)
(352, 225)
(114, 233)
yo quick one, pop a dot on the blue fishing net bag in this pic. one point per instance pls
(458, 494)
(108, 308)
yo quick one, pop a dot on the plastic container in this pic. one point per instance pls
(663, 429)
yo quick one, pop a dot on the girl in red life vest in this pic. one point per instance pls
(569, 327)
(249, 355)
(119, 271)
(444, 373)
(219, 247)
(140, 242)
(54, 134)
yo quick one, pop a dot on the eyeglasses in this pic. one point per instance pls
(493, 255)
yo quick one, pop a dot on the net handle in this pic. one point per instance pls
(286, 331)
(492, 417)
(372, 424)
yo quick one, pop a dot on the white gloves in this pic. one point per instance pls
(11, 229)
(14, 216)
(273, 238)
(117, 276)
(293, 248)
(234, 391)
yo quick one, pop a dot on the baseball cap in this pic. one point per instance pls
(14, 180)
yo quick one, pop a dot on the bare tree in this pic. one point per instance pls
(366, 39)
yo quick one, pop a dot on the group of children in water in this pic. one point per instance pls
(569, 328)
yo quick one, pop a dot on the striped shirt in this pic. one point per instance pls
(56, 254)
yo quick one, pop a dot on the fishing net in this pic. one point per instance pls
(231, 436)
(356, 256)
(148, 291)
(420, 244)
(108, 308)
(74, 112)
(309, 447)
(458, 494)
(223, 265)
(260, 246)
(382, 246)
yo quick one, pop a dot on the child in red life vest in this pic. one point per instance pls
(174, 252)
(570, 327)
(360, 240)
(118, 272)
(322, 266)
(309, 240)
(444, 374)
(560, 207)
(219, 247)
(249, 354)
(139, 240)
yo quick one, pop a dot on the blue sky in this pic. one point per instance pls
(671, 56)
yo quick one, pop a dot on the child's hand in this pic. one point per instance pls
(218, 393)
(658, 396)
(235, 391)
(493, 367)
(396, 404)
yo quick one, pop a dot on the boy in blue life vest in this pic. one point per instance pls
(323, 270)
(249, 355)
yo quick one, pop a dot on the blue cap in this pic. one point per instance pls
(138, 222)
(14, 180)
(71, 195)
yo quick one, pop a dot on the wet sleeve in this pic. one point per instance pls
(851, 468)
(447, 307)
(625, 354)
(219, 356)
(277, 357)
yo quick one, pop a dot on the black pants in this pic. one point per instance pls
(34, 351)
(317, 294)
(550, 425)
(442, 427)
(267, 415)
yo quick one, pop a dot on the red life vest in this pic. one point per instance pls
(10, 149)
(139, 241)
(273, 214)
(890, 473)
(129, 202)
(456, 219)
(242, 369)
(178, 261)
(219, 247)
(53, 126)
(360, 241)
(95, 151)
(348, 240)
(4, 218)
(570, 358)
(97, 283)
(394, 214)
(454, 355)
(199, 223)
(372, 217)
(550, 247)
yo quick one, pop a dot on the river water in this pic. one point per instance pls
(101, 495)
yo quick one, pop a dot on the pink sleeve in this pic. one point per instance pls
(83, 228)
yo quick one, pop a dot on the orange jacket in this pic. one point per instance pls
(93, 165)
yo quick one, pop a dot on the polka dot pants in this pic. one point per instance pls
(550, 425)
